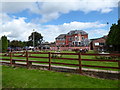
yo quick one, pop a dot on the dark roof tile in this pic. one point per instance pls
(77, 32)
(61, 36)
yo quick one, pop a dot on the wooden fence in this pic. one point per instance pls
(27, 55)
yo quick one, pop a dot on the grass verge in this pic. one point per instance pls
(24, 78)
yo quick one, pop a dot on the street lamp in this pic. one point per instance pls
(33, 38)
(108, 25)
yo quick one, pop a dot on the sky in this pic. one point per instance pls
(54, 17)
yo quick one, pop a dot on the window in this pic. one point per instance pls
(75, 32)
(76, 38)
(82, 37)
(57, 39)
(63, 39)
(96, 44)
(101, 43)
(62, 43)
(69, 33)
(73, 43)
(70, 39)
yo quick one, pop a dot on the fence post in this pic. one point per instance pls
(11, 58)
(119, 65)
(13, 63)
(119, 71)
(27, 59)
(80, 64)
(49, 61)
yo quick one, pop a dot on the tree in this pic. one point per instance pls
(16, 43)
(0, 45)
(4, 44)
(114, 37)
(29, 43)
(38, 38)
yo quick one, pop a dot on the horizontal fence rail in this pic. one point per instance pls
(100, 60)
(103, 54)
(27, 56)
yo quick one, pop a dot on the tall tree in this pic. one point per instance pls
(36, 37)
(0, 45)
(114, 37)
(4, 44)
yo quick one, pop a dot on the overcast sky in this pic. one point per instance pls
(51, 18)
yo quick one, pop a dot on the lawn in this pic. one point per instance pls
(26, 78)
(97, 63)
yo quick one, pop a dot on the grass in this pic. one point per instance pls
(24, 78)
(97, 63)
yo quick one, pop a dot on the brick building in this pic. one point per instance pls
(98, 44)
(73, 38)
(61, 40)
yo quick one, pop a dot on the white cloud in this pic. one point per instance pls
(4, 18)
(52, 31)
(15, 7)
(18, 29)
(51, 10)
(82, 25)
(96, 33)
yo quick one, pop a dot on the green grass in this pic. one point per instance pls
(24, 78)
(97, 63)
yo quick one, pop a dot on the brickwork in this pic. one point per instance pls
(68, 48)
(98, 44)
(72, 38)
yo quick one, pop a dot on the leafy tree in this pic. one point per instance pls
(29, 43)
(16, 43)
(4, 44)
(8, 43)
(114, 37)
(38, 38)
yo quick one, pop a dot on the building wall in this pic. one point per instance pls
(75, 38)
(68, 48)
(85, 36)
(98, 43)
(70, 38)
(60, 42)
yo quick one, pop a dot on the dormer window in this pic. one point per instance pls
(75, 32)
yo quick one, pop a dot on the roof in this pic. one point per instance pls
(61, 36)
(99, 38)
(77, 32)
